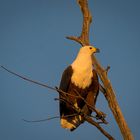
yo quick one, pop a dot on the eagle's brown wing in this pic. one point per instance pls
(64, 86)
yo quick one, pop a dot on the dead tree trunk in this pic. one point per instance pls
(109, 93)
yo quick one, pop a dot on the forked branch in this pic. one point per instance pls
(107, 89)
(83, 39)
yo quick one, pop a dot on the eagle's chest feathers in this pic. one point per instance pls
(82, 72)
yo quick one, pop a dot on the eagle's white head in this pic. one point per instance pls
(82, 66)
(88, 50)
(83, 57)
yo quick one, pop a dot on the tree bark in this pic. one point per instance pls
(110, 96)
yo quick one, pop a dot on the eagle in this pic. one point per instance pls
(78, 80)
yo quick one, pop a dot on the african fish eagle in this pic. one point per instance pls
(80, 78)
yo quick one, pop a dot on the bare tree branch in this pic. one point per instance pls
(87, 118)
(83, 39)
(108, 92)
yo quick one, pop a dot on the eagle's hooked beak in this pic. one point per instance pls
(97, 50)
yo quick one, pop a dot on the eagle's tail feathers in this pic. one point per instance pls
(71, 123)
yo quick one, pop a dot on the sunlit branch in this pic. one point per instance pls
(102, 73)
(63, 98)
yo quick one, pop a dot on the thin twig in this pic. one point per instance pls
(49, 118)
(42, 120)
(37, 83)
(102, 89)
(27, 79)
(107, 69)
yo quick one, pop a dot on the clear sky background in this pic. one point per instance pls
(32, 43)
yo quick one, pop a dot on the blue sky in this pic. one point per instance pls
(32, 43)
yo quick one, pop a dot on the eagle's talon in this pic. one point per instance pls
(100, 115)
